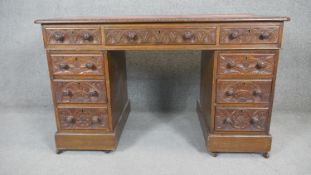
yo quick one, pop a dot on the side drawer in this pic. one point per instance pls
(63, 35)
(247, 34)
(77, 64)
(80, 91)
(87, 118)
(241, 119)
(246, 63)
(243, 91)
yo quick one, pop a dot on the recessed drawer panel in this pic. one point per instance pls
(206, 35)
(241, 119)
(249, 35)
(77, 64)
(73, 36)
(82, 91)
(246, 63)
(83, 118)
(243, 91)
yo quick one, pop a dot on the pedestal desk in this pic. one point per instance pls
(87, 67)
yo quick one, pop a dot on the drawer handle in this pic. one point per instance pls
(257, 93)
(234, 35)
(188, 36)
(254, 120)
(95, 119)
(132, 36)
(264, 35)
(67, 93)
(230, 65)
(260, 65)
(228, 120)
(93, 94)
(69, 119)
(90, 66)
(58, 36)
(64, 66)
(87, 36)
(230, 93)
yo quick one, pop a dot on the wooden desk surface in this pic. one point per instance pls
(163, 19)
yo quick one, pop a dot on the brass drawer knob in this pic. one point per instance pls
(264, 35)
(234, 35)
(64, 66)
(58, 36)
(87, 36)
(188, 36)
(67, 93)
(90, 66)
(93, 94)
(69, 119)
(132, 36)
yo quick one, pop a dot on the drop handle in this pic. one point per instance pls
(188, 35)
(87, 36)
(93, 94)
(264, 35)
(67, 93)
(132, 36)
(90, 66)
(95, 119)
(257, 93)
(64, 66)
(69, 119)
(234, 35)
(58, 36)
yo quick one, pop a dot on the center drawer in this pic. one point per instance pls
(80, 91)
(243, 91)
(160, 35)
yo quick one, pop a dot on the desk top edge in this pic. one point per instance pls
(163, 19)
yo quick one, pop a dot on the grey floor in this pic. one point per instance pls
(152, 143)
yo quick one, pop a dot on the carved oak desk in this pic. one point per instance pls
(86, 58)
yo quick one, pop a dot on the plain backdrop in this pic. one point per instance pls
(157, 80)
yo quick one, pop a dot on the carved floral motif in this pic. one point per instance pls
(160, 36)
(241, 119)
(86, 118)
(262, 64)
(243, 91)
(80, 91)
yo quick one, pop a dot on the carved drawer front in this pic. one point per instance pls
(249, 35)
(77, 64)
(246, 63)
(83, 118)
(80, 91)
(243, 91)
(241, 119)
(206, 35)
(74, 36)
